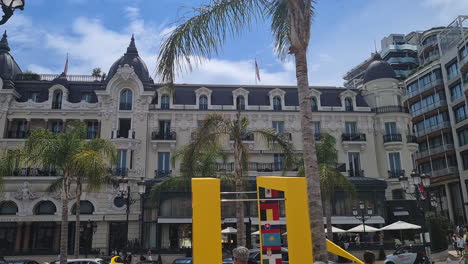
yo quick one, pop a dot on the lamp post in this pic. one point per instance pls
(363, 214)
(125, 192)
(89, 229)
(416, 186)
(8, 7)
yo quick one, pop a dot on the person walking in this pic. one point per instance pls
(240, 255)
(460, 245)
(464, 255)
(357, 240)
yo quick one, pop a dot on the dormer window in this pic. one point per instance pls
(57, 100)
(203, 102)
(277, 103)
(313, 104)
(165, 102)
(35, 97)
(87, 97)
(349, 105)
(126, 100)
(240, 103)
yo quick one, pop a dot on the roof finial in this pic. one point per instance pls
(132, 48)
(4, 43)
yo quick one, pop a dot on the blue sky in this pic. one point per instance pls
(96, 33)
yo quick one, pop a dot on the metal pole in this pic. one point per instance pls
(127, 222)
(142, 220)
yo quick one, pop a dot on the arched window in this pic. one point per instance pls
(203, 102)
(348, 104)
(57, 100)
(45, 208)
(165, 102)
(277, 103)
(240, 103)
(313, 104)
(86, 208)
(8, 208)
(126, 100)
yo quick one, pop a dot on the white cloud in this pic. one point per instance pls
(40, 69)
(448, 9)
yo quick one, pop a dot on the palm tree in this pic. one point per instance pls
(68, 153)
(200, 157)
(202, 35)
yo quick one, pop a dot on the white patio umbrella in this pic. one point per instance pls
(229, 230)
(400, 225)
(336, 230)
(360, 229)
(256, 233)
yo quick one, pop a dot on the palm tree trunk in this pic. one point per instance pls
(310, 160)
(64, 227)
(241, 240)
(77, 221)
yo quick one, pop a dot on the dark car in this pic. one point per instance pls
(254, 256)
(183, 261)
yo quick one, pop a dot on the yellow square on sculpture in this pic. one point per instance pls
(269, 215)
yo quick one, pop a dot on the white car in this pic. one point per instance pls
(407, 254)
(83, 261)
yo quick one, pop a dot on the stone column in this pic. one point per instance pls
(27, 236)
(448, 194)
(19, 235)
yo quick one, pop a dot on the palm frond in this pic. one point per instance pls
(280, 27)
(55, 186)
(90, 166)
(202, 35)
(326, 150)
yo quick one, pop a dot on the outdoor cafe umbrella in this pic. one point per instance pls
(400, 225)
(360, 229)
(256, 233)
(229, 230)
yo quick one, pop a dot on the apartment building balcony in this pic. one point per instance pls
(395, 174)
(36, 172)
(412, 143)
(122, 172)
(428, 86)
(317, 136)
(428, 108)
(444, 172)
(123, 134)
(18, 134)
(164, 136)
(400, 60)
(392, 142)
(245, 137)
(356, 173)
(254, 166)
(433, 128)
(434, 151)
(354, 140)
(428, 46)
(390, 109)
(158, 174)
(464, 64)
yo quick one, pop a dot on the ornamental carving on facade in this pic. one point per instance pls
(58, 195)
(125, 71)
(25, 193)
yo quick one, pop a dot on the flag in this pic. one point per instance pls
(257, 71)
(65, 70)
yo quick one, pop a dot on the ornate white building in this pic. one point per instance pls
(147, 124)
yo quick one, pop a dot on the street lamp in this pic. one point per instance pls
(8, 7)
(125, 192)
(363, 214)
(88, 229)
(412, 187)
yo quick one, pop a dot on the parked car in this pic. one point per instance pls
(407, 254)
(254, 256)
(83, 261)
(228, 261)
(26, 261)
(147, 262)
(183, 261)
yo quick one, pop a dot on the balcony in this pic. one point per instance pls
(245, 137)
(353, 137)
(162, 173)
(395, 174)
(36, 172)
(425, 87)
(434, 151)
(164, 135)
(123, 172)
(254, 166)
(356, 173)
(18, 134)
(390, 109)
(392, 138)
(411, 139)
(433, 128)
(317, 136)
(464, 64)
(444, 172)
(123, 134)
(125, 106)
(428, 108)
(399, 60)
